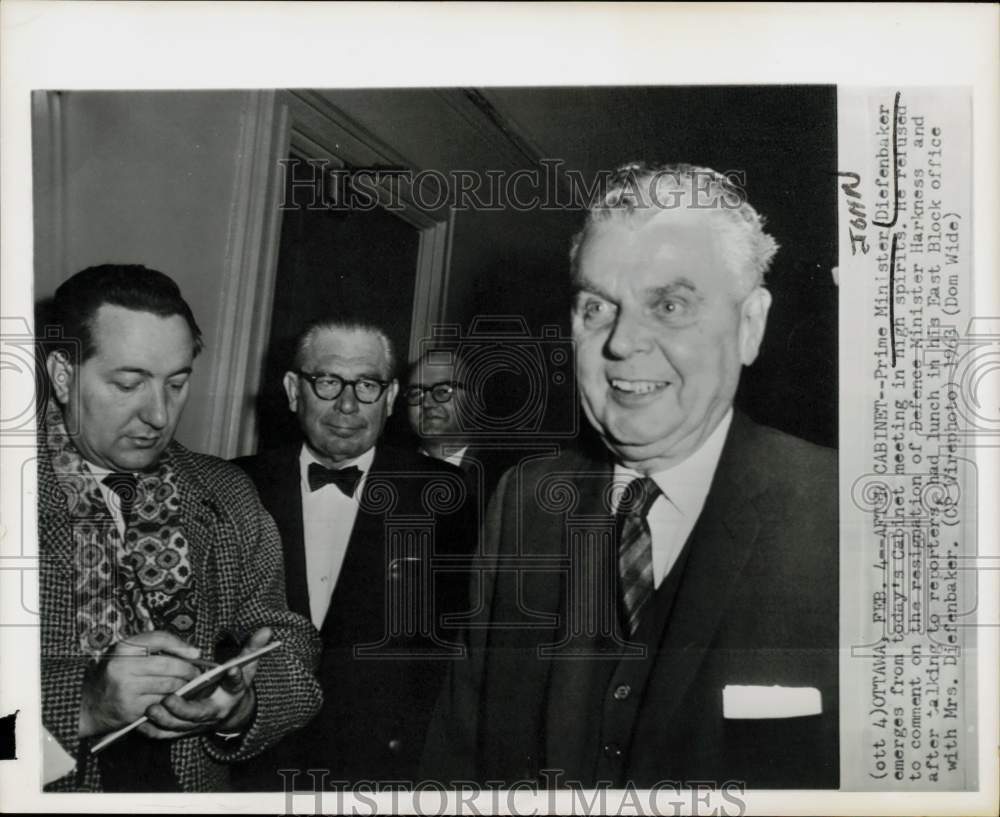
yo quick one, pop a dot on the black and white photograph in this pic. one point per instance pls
(564, 445)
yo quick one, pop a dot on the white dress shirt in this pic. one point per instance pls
(327, 521)
(684, 489)
(455, 457)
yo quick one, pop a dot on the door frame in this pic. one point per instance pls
(275, 125)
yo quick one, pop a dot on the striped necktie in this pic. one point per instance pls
(635, 548)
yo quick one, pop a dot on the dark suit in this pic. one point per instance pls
(752, 600)
(382, 668)
(483, 466)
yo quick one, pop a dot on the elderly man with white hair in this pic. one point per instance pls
(665, 606)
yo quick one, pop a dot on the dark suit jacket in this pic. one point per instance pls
(754, 602)
(385, 649)
(483, 466)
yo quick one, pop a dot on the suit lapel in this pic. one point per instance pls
(369, 526)
(286, 508)
(56, 551)
(52, 508)
(547, 531)
(589, 515)
(520, 658)
(360, 585)
(199, 513)
(722, 543)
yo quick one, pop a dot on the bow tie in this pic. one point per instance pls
(346, 479)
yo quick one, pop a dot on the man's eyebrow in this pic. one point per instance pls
(582, 285)
(671, 288)
(146, 373)
(682, 283)
(133, 370)
(366, 374)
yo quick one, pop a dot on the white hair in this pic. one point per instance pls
(638, 190)
(308, 334)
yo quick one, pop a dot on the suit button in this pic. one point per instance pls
(395, 745)
(622, 691)
(612, 750)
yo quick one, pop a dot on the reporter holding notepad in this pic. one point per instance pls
(154, 559)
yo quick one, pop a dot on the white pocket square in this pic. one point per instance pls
(750, 702)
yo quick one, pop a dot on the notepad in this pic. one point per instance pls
(190, 690)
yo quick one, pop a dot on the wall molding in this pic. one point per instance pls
(248, 279)
(431, 288)
(49, 179)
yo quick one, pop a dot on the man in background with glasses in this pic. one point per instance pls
(442, 408)
(365, 529)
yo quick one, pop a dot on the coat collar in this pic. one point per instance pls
(722, 543)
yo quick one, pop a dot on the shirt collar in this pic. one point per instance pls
(99, 471)
(686, 484)
(455, 457)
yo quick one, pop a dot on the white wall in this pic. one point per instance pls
(146, 178)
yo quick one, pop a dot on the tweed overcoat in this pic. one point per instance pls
(237, 559)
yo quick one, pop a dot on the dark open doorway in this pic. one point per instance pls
(332, 261)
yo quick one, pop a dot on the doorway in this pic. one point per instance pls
(339, 263)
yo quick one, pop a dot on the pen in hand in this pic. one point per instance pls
(201, 663)
(203, 684)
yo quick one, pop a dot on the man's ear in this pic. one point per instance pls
(391, 396)
(61, 372)
(291, 383)
(753, 319)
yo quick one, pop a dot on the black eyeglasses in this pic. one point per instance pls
(441, 392)
(329, 386)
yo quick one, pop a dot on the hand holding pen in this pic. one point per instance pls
(140, 676)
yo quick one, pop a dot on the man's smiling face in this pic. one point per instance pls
(662, 329)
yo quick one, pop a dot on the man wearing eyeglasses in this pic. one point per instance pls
(442, 415)
(365, 528)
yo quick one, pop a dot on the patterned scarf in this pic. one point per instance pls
(124, 585)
